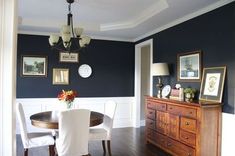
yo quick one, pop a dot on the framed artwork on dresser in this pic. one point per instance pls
(212, 84)
(189, 67)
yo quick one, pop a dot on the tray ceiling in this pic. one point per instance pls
(127, 20)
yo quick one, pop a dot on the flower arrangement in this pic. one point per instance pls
(190, 90)
(189, 94)
(67, 97)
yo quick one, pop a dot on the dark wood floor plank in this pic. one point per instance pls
(125, 142)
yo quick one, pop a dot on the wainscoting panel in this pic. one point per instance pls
(123, 116)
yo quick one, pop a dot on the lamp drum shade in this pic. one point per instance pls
(160, 69)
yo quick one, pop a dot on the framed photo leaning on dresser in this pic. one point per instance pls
(212, 84)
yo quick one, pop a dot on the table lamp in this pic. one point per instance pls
(160, 69)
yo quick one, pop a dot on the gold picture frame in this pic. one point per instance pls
(60, 76)
(212, 84)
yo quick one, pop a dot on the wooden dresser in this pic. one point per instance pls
(184, 129)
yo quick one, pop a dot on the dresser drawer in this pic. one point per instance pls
(174, 109)
(187, 112)
(150, 134)
(160, 106)
(161, 139)
(180, 149)
(188, 137)
(151, 114)
(150, 124)
(189, 125)
(150, 105)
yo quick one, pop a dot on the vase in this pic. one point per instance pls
(66, 105)
(69, 104)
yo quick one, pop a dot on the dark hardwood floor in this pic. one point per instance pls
(125, 142)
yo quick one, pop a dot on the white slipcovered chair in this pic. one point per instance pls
(32, 140)
(73, 132)
(104, 131)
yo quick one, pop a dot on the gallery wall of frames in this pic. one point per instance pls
(43, 73)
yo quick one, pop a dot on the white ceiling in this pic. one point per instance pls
(127, 20)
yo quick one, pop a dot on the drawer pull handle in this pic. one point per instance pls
(190, 112)
(186, 138)
(186, 123)
(169, 144)
(170, 108)
(189, 154)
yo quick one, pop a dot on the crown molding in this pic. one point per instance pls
(142, 17)
(186, 18)
(96, 37)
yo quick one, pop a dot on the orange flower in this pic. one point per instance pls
(67, 96)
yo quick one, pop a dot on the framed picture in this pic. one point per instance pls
(69, 57)
(189, 67)
(212, 84)
(34, 66)
(60, 76)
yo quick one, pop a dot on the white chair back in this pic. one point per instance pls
(73, 132)
(110, 108)
(22, 124)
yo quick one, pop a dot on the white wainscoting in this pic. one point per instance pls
(123, 116)
(228, 134)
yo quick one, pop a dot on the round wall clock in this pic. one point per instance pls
(84, 71)
(166, 90)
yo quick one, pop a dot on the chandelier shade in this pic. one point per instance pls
(69, 36)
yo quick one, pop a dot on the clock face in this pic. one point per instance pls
(84, 71)
(166, 90)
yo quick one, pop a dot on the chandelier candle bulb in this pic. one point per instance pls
(78, 31)
(53, 39)
(65, 29)
(66, 37)
(85, 40)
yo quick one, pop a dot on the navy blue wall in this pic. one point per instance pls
(214, 34)
(112, 63)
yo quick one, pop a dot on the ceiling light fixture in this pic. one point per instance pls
(70, 37)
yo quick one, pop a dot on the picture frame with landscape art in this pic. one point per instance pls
(212, 84)
(34, 66)
(189, 66)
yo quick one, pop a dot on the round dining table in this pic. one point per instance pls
(49, 119)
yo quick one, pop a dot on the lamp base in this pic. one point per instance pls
(159, 95)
